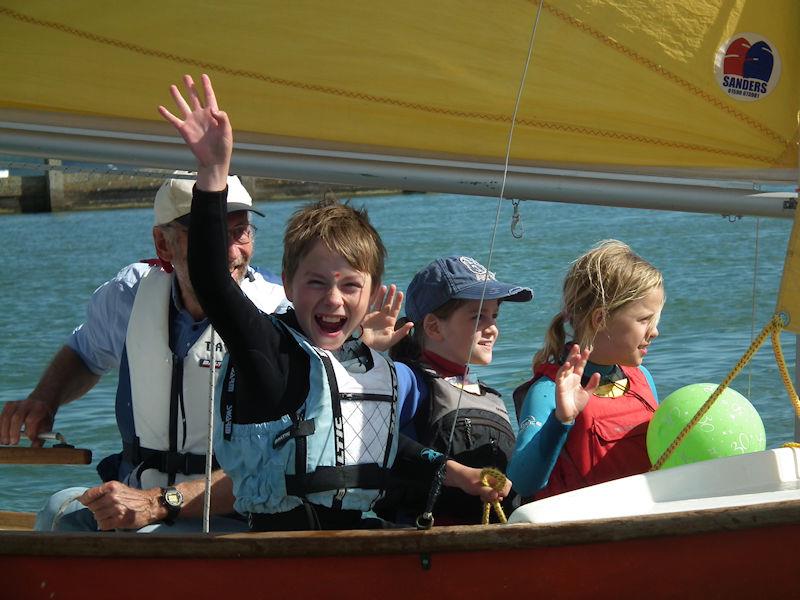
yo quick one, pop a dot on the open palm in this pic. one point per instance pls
(378, 330)
(571, 396)
(205, 129)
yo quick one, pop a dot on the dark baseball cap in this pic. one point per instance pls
(457, 278)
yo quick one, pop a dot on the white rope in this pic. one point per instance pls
(500, 199)
(427, 517)
(62, 509)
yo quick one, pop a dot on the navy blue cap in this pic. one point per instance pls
(457, 278)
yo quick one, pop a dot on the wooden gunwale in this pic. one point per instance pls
(443, 539)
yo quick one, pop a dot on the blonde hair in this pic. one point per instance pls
(342, 228)
(607, 277)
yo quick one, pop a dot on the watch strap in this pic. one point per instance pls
(173, 508)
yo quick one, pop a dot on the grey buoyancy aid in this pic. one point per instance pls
(336, 451)
(483, 434)
(483, 437)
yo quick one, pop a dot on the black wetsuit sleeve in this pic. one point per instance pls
(410, 450)
(271, 370)
(415, 463)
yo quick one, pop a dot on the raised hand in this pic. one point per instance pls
(205, 129)
(378, 325)
(571, 396)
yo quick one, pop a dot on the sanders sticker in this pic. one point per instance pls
(747, 67)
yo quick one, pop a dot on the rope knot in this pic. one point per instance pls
(495, 479)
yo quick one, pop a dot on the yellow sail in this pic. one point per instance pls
(612, 85)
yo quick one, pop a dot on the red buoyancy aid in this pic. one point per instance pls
(608, 439)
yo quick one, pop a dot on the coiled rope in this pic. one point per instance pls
(495, 479)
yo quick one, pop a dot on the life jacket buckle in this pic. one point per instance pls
(295, 430)
(176, 462)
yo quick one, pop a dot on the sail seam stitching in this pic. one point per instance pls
(660, 70)
(577, 129)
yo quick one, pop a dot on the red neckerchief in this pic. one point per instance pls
(157, 262)
(442, 366)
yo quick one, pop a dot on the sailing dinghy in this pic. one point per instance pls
(687, 105)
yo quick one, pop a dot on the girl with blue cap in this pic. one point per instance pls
(453, 303)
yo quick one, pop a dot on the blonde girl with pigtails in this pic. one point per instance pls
(583, 416)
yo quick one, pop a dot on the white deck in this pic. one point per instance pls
(757, 478)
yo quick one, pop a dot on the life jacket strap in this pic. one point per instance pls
(367, 476)
(165, 461)
(300, 429)
(306, 517)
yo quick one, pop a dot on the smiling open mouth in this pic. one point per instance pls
(330, 324)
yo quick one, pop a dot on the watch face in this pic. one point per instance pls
(173, 497)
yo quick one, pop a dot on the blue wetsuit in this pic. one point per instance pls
(542, 436)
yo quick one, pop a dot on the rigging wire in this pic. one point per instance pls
(426, 519)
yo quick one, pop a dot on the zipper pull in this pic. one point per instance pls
(468, 431)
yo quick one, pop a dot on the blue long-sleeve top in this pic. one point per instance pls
(542, 436)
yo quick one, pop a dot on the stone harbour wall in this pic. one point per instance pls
(59, 191)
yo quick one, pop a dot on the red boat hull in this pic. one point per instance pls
(754, 561)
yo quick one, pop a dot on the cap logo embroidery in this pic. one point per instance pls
(481, 273)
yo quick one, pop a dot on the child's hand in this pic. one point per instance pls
(571, 396)
(468, 480)
(206, 130)
(378, 326)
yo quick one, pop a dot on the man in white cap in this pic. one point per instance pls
(148, 322)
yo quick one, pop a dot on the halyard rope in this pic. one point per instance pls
(425, 520)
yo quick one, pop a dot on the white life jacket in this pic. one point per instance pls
(151, 369)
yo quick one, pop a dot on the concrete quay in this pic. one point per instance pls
(56, 191)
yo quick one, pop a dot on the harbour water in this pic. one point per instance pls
(53, 262)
